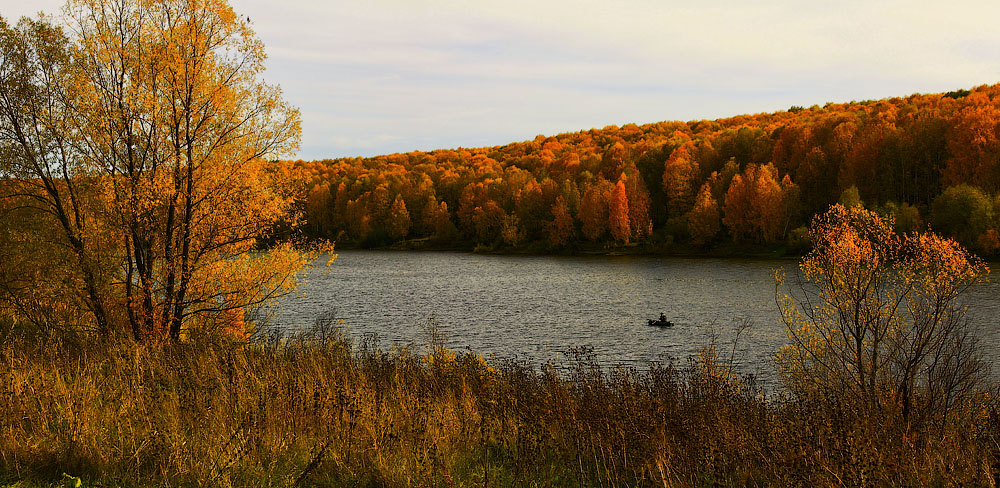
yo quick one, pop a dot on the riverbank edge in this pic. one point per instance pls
(781, 252)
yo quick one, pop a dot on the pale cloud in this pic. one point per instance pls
(397, 75)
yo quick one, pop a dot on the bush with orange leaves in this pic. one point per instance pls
(879, 324)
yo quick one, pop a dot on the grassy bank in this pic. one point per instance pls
(318, 410)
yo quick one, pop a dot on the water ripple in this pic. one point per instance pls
(534, 308)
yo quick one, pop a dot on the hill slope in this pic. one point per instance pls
(745, 180)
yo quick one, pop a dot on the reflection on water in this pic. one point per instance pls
(534, 308)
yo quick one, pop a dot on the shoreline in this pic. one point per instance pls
(637, 249)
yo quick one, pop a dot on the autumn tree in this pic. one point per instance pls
(356, 219)
(594, 212)
(430, 215)
(975, 144)
(905, 217)
(491, 224)
(680, 178)
(399, 219)
(703, 220)
(851, 198)
(867, 148)
(467, 204)
(638, 203)
(614, 159)
(379, 204)
(530, 207)
(791, 204)
(618, 222)
(437, 220)
(39, 171)
(755, 205)
(816, 172)
(963, 212)
(165, 126)
(340, 206)
(319, 210)
(721, 180)
(571, 195)
(560, 230)
(511, 231)
(881, 323)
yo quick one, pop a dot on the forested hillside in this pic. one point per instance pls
(747, 180)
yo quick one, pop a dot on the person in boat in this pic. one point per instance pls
(663, 318)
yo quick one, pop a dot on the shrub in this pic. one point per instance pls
(880, 325)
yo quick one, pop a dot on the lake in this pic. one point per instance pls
(535, 308)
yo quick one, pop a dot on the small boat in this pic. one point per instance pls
(660, 323)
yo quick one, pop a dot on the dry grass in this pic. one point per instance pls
(317, 410)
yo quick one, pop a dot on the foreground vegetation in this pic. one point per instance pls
(319, 410)
(883, 385)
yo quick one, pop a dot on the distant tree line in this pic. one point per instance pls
(755, 179)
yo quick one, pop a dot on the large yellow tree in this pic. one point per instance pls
(157, 174)
(880, 323)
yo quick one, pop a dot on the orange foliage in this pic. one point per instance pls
(755, 205)
(703, 220)
(883, 326)
(560, 229)
(167, 190)
(399, 219)
(618, 222)
(989, 242)
(975, 144)
(594, 211)
(680, 177)
(898, 151)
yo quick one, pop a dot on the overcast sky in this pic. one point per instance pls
(381, 76)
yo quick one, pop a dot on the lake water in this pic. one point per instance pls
(535, 308)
